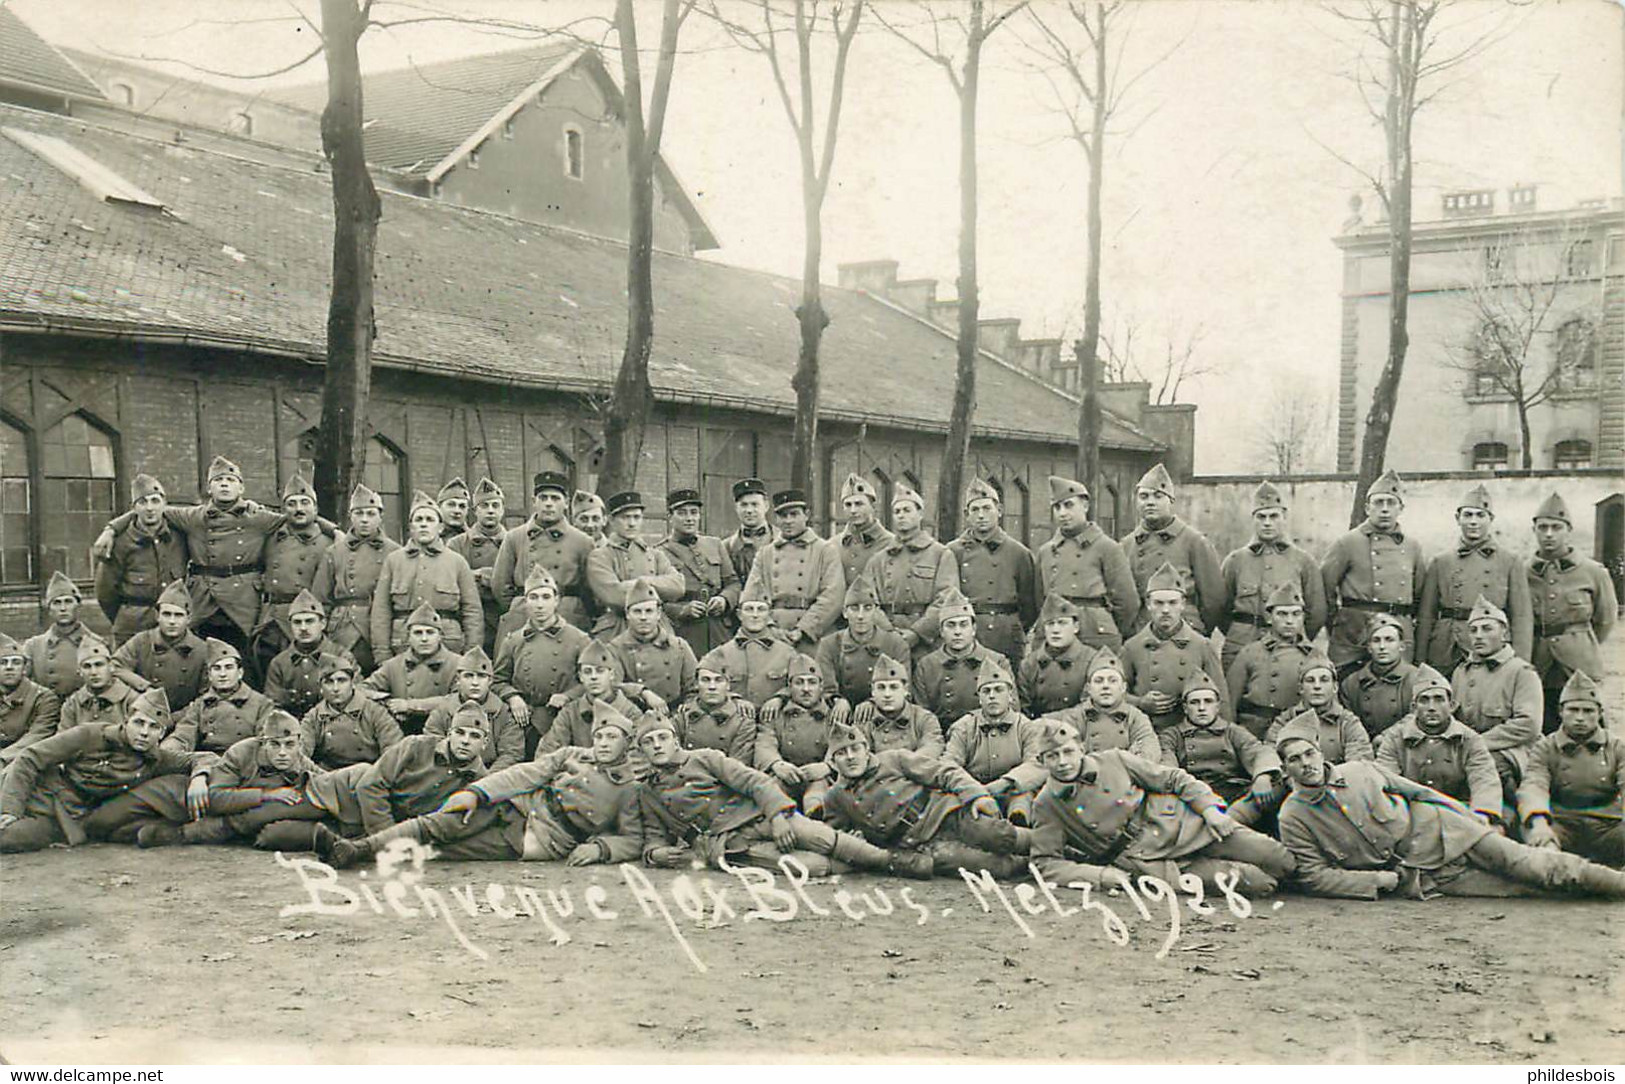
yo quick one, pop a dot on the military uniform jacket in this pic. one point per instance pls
(560, 548)
(1122, 727)
(1000, 577)
(292, 556)
(665, 665)
(1223, 755)
(1093, 571)
(1574, 779)
(1122, 804)
(53, 658)
(239, 779)
(417, 681)
(858, 548)
(537, 664)
(591, 802)
(1341, 738)
(1368, 565)
(357, 733)
(902, 800)
(214, 723)
(345, 581)
(741, 548)
(1501, 698)
(417, 574)
(68, 775)
(707, 573)
(147, 659)
(505, 742)
(707, 794)
(615, 566)
(848, 664)
(914, 728)
(1575, 608)
(572, 726)
(411, 778)
(724, 728)
(129, 582)
(1152, 664)
(1379, 699)
(1454, 761)
(802, 576)
(1050, 682)
(293, 679)
(83, 707)
(757, 666)
(910, 577)
(1367, 819)
(1264, 678)
(796, 735)
(1007, 749)
(1251, 574)
(480, 550)
(29, 713)
(226, 547)
(1453, 583)
(945, 684)
(1179, 544)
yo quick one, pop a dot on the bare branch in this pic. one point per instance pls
(280, 70)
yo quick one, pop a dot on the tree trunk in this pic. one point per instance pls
(957, 448)
(1523, 432)
(633, 399)
(1088, 348)
(341, 445)
(813, 320)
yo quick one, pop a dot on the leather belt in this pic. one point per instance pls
(1257, 621)
(224, 571)
(1253, 707)
(1557, 628)
(906, 609)
(1452, 613)
(1086, 600)
(280, 598)
(790, 602)
(138, 600)
(1399, 609)
(995, 607)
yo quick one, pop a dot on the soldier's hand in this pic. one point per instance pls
(747, 710)
(520, 709)
(1540, 833)
(864, 713)
(840, 711)
(587, 854)
(1264, 787)
(285, 795)
(666, 857)
(1155, 703)
(197, 797)
(784, 832)
(655, 702)
(557, 701)
(395, 705)
(716, 606)
(986, 807)
(768, 713)
(464, 802)
(1218, 820)
(102, 548)
(1387, 880)
(788, 773)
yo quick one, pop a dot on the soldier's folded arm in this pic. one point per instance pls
(1535, 789)
(473, 613)
(1314, 596)
(1427, 611)
(1209, 583)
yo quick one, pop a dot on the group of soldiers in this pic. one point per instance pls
(565, 689)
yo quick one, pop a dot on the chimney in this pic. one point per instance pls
(1469, 204)
(945, 314)
(999, 337)
(1038, 355)
(915, 295)
(1521, 197)
(873, 276)
(1126, 400)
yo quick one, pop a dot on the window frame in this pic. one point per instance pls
(580, 171)
(1572, 444)
(1481, 463)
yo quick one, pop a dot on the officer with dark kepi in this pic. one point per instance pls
(549, 540)
(750, 507)
(710, 586)
(623, 560)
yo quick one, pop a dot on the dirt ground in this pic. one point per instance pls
(111, 954)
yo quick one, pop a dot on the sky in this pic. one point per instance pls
(1223, 188)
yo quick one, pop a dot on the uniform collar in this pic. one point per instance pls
(752, 534)
(141, 530)
(1083, 537)
(867, 537)
(969, 658)
(1280, 545)
(1486, 546)
(1334, 780)
(351, 707)
(988, 726)
(1411, 732)
(894, 722)
(722, 713)
(616, 542)
(183, 647)
(17, 696)
(1301, 643)
(308, 533)
(238, 696)
(1563, 561)
(239, 508)
(73, 636)
(1368, 529)
(761, 639)
(921, 540)
(495, 534)
(992, 542)
(805, 538)
(1167, 531)
(355, 543)
(1395, 674)
(849, 643)
(1180, 637)
(661, 638)
(433, 662)
(1594, 744)
(535, 529)
(431, 548)
(1495, 661)
(555, 629)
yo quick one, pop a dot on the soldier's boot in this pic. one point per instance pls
(860, 853)
(206, 830)
(915, 865)
(1576, 875)
(1024, 841)
(157, 834)
(125, 833)
(287, 836)
(344, 853)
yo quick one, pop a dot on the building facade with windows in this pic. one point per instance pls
(1508, 305)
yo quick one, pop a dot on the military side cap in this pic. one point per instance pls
(641, 591)
(1287, 594)
(1305, 726)
(539, 577)
(953, 603)
(280, 724)
(857, 486)
(1054, 733)
(1388, 483)
(980, 490)
(221, 467)
(585, 502)
(475, 661)
(841, 735)
(653, 722)
(423, 615)
(421, 501)
(305, 603)
(802, 665)
(786, 499)
(1166, 578)
(624, 501)
(1580, 689)
(755, 590)
(1056, 606)
(218, 650)
(746, 486)
(1267, 495)
(1105, 659)
(1062, 488)
(1427, 678)
(902, 491)
(1157, 479)
(994, 669)
(1384, 621)
(887, 668)
(471, 715)
(152, 704)
(677, 498)
(59, 585)
(92, 647)
(713, 661)
(1317, 660)
(606, 714)
(298, 486)
(860, 591)
(9, 647)
(1484, 608)
(456, 488)
(175, 594)
(362, 497)
(1198, 682)
(487, 490)
(549, 479)
(1477, 497)
(336, 664)
(145, 485)
(596, 653)
(1553, 507)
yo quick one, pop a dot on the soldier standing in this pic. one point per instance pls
(292, 555)
(864, 534)
(1375, 568)
(453, 500)
(1263, 680)
(750, 508)
(546, 539)
(1253, 572)
(147, 557)
(623, 560)
(347, 575)
(1477, 566)
(710, 586)
(800, 574)
(479, 546)
(997, 573)
(912, 574)
(1574, 603)
(53, 655)
(1162, 538)
(1160, 658)
(1088, 569)
(425, 573)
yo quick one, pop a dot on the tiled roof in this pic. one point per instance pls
(241, 257)
(28, 60)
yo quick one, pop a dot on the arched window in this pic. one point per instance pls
(123, 94)
(16, 509)
(1490, 455)
(79, 475)
(1574, 351)
(1572, 455)
(240, 124)
(575, 164)
(1018, 508)
(1494, 346)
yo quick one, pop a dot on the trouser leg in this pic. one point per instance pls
(287, 835)
(1599, 839)
(812, 798)
(1243, 877)
(949, 856)
(1508, 771)
(30, 834)
(986, 833)
(1544, 868)
(1254, 848)
(250, 823)
(820, 838)
(1065, 872)
(160, 798)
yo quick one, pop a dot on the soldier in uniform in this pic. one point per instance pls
(757, 658)
(714, 718)
(945, 680)
(648, 651)
(1571, 796)
(1163, 539)
(29, 712)
(171, 654)
(102, 697)
(1104, 719)
(587, 513)
(750, 508)
(293, 681)
(1498, 694)
(416, 775)
(891, 721)
(912, 574)
(547, 539)
(1375, 568)
(408, 684)
(1253, 572)
(424, 572)
(537, 664)
(1340, 734)
(710, 586)
(147, 557)
(791, 746)
(292, 555)
(1159, 658)
(1053, 675)
(454, 501)
(1243, 771)
(1477, 566)
(1574, 605)
(479, 546)
(505, 738)
(53, 655)
(1263, 679)
(599, 677)
(1379, 692)
(997, 744)
(846, 657)
(997, 573)
(800, 574)
(864, 535)
(227, 712)
(1432, 746)
(347, 576)
(346, 727)
(1088, 569)
(258, 782)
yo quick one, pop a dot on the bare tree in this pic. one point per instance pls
(1529, 341)
(952, 35)
(1127, 354)
(793, 60)
(1295, 423)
